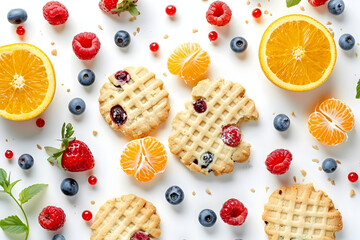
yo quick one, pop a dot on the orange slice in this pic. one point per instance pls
(143, 158)
(189, 62)
(297, 53)
(27, 81)
(331, 121)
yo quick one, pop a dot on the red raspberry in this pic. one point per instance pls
(140, 236)
(86, 45)
(233, 212)
(317, 3)
(107, 5)
(278, 162)
(231, 135)
(52, 218)
(218, 14)
(55, 13)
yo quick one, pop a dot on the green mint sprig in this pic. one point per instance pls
(358, 89)
(291, 3)
(13, 224)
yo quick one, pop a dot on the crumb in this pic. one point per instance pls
(138, 29)
(92, 202)
(259, 4)
(338, 162)
(352, 193)
(316, 147)
(270, 14)
(54, 52)
(246, 21)
(294, 177)
(6, 140)
(208, 191)
(38, 146)
(340, 29)
(134, 33)
(252, 190)
(315, 160)
(166, 36)
(132, 19)
(193, 193)
(356, 54)
(266, 12)
(293, 114)
(320, 168)
(329, 179)
(330, 29)
(68, 90)
(302, 8)
(303, 172)
(52, 43)
(195, 30)
(62, 84)
(267, 189)
(328, 23)
(100, 27)
(247, 2)
(303, 180)
(333, 182)
(165, 75)
(95, 133)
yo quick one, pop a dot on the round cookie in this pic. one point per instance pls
(300, 212)
(134, 102)
(196, 137)
(121, 218)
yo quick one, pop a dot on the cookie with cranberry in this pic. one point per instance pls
(134, 102)
(206, 136)
(129, 217)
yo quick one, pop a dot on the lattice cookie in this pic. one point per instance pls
(299, 212)
(134, 102)
(121, 218)
(206, 135)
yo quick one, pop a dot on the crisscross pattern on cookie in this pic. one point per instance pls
(196, 133)
(119, 219)
(300, 212)
(143, 99)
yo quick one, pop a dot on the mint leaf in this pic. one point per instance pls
(291, 3)
(11, 185)
(358, 89)
(3, 176)
(69, 130)
(29, 192)
(133, 11)
(13, 224)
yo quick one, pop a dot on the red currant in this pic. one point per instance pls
(213, 35)
(40, 122)
(92, 180)
(87, 215)
(256, 13)
(20, 30)
(353, 177)
(170, 10)
(154, 47)
(9, 154)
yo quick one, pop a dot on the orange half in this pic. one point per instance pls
(143, 158)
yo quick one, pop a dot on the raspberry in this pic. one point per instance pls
(317, 3)
(278, 162)
(233, 212)
(86, 45)
(231, 135)
(107, 5)
(140, 236)
(52, 218)
(55, 13)
(218, 14)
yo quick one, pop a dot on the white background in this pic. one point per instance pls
(178, 222)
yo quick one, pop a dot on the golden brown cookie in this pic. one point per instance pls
(121, 218)
(300, 212)
(196, 137)
(134, 102)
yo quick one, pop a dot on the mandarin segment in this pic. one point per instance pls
(143, 158)
(189, 62)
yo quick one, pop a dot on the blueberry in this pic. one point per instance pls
(174, 195)
(77, 106)
(206, 159)
(86, 77)
(207, 217)
(281, 122)
(58, 237)
(336, 7)
(26, 161)
(346, 41)
(69, 187)
(17, 16)
(329, 165)
(122, 39)
(238, 44)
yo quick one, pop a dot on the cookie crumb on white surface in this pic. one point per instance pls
(266, 12)
(132, 19)
(134, 33)
(193, 193)
(338, 162)
(316, 147)
(328, 23)
(352, 193)
(294, 178)
(320, 168)
(302, 8)
(195, 30)
(333, 182)
(246, 21)
(68, 90)
(54, 52)
(303, 172)
(252, 190)
(208, 191)
(293, 114)
(52, 43)
(92, 202)
(315, 160)
(165, 75)
(259, 4)
(39, 147)
(247, 2)
(100, 27)
(166, 36)
(138, 29)
(94, 133)
(267, 189)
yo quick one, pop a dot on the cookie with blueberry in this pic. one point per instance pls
(134, 102)
(206, 136)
